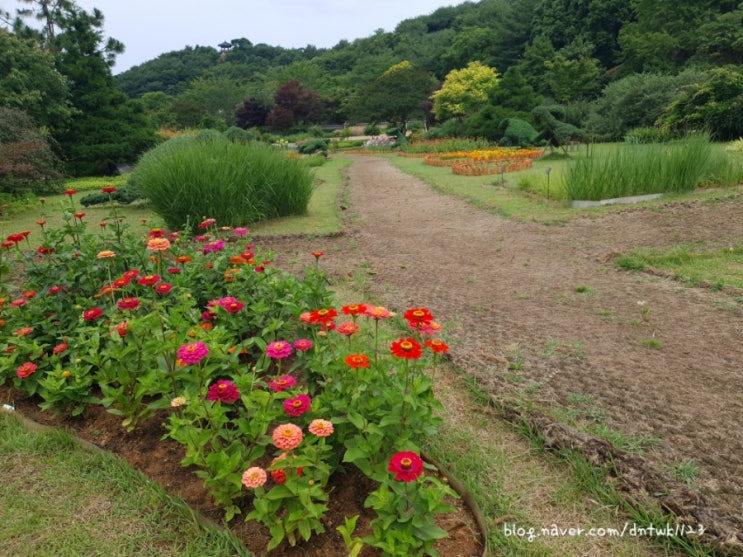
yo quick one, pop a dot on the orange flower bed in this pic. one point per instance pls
(476, 163)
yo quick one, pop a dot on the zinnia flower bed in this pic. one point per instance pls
(272, 398)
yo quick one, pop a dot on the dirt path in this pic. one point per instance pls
(542, 312)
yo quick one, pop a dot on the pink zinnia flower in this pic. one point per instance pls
(26, 369)
(278, 350)
(231, 304)
(254, 477)
(297, 406)
(282, 383)
(302, 344)
(193, 352)
(223, 391)
(240, 231)
(18, 303)
(348, 328)
(321, 428)
(287, 436)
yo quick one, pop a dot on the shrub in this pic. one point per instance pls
(187, 178)
(517, 132)
(312, 146)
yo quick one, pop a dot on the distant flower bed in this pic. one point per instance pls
(481, 162)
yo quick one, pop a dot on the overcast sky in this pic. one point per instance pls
(149, 28)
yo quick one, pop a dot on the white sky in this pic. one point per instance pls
(149, 28)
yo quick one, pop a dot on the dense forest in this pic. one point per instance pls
(513, 71)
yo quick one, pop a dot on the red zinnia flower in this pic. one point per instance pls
(357, 360)
(15, 238)
(163, 288)
(418, 316)
(70, 192)
(156, 233)
(353, 309)
(79, 215)
(406, 348)
(108, 189)
(129, 303)
(59, 348)
(149, 280)
(437, 346)
(322, 315)
(406, 466)
(92, 314)
(55, 290)
(223, 391)
(122, 329)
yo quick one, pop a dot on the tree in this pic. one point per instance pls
(26, 161)
(252, 114)
(108, 128)
(296, 104)
(572, 79)
(464, 91)
(399, 94)
(714, 105)
(29, 81)
(218, 96)
(469, 45)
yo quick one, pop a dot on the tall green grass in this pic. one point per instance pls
(674, 167)
(188, 179)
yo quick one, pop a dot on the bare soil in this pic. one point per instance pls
(542, 313)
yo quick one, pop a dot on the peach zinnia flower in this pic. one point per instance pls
(106, 254)
(321, 428)
(378, 312)
(254, 477)
(348, 328)
(158, 244)
(287, 436)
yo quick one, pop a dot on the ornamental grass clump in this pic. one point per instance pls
(270, 390)
(235, 183)
(673, 167)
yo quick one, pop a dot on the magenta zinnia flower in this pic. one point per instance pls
(282, 383)
(223, 391)
(297, 406)
(406, 466)
(278, 350)
(193, 352)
